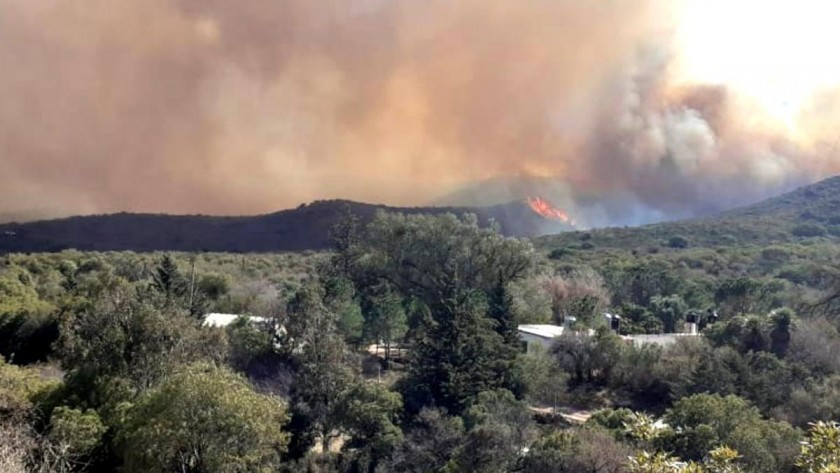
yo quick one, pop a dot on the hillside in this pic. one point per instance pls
(808, 212)
(304, 228)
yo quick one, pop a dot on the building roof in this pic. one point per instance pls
(542, 330)
(661, 339)
(223, 320)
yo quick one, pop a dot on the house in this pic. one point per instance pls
(223, 320)
(542, 334)
(661, 339)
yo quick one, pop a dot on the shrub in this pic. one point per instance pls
(808, 230)
(678, 242)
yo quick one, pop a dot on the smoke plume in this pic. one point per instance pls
(220, 107)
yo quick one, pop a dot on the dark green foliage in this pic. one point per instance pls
(324, 372)
(704, 421)
(430, 442)
(577, 450)
(124, 336)
(808, 230)
(671, 310)
(588, 359)
(204, 419)
(369, 415)
(168, 280)
(678, 242)
(464, 343)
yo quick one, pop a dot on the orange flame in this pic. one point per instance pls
(543, 208)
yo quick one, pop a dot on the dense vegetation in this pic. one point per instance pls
(108, 366)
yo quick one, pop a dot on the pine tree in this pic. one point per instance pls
(168, 280)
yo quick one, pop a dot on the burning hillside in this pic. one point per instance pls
(546, 210)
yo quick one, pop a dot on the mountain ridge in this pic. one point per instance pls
(809, 211)
(305, 227)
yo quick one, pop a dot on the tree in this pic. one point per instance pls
(544, 379)
(452, 267)
(671, 310)
(500, 428)
(640, 281)
(580, 449)
(678, 242)
(386, 322)
(589, 358)
(27, 324)
(703, 422)
(204, 419)
(72, 438)
(429, 444)
(580, 294)
(346, 240)
(820, 452)
(323, 372)
(123, 336)
(782, 322)
(168, 280)
(369, 415)
(340, 298)
(19, 387)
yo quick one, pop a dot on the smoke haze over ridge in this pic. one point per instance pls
(219, 107)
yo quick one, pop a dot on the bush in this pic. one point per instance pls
(678, 242)
(204, 419)
(808, 230)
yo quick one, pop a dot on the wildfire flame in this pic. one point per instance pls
(543, 208)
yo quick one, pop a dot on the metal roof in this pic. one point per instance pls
(223, 320)
(542, 330)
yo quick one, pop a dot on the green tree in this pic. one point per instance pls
(453, 267)
(820, 452)
(580, 449)
(324, 369)
(671, 310)
(386, 322)
(703, 422)
(369, 415)
(204, 419)
(72, 438)
(782, 323)
(544, 380)
(430, 443)
(500, 428)
(589, 358)
(168, 280)
(122, 335)
(19, 388)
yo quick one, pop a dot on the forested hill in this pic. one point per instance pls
(809, 212)
(303, 228)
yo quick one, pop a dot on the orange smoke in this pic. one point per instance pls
(543, 208)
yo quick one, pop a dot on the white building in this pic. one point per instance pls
(661, 339)
(542, 334)
(223, 320)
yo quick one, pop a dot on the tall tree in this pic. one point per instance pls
(324, 371)
(458, 271)
(386, 321)
(168, 280)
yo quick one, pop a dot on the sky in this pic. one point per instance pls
(618, 111)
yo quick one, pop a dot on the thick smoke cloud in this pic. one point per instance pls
(221, 107)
